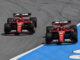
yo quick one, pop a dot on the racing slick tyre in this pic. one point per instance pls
(53, 36)
(48, 37)
(32, 28)
(74, 27)
(10, 19)
(34, 20)
(74, 34)
(7, 28)
(48, 28)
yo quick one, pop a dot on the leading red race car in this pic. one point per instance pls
(18, 24)
(61, 33)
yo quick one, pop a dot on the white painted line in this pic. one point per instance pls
(17, 57)
(76, 51)
(75, 57)
(78, 24)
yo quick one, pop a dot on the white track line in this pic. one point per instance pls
(77, 51)
(78, 24)
(75, 57)
(17, 57)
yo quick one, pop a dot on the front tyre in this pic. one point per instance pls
(7, 28)
(32, 28)
(10, 19)
(48, 37)
(74, 34)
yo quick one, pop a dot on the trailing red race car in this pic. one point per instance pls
(18, 24)
(61, 33)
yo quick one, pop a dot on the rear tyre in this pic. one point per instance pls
(7, 28)
(10, 19)
(34, 20)
(48, 37)
(48, 28)
(32, 28)
(74, 27)
(73, 37)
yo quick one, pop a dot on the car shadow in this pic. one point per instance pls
(3, 34)
(55, 44)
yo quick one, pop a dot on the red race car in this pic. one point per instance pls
(18, 24)
(61, 33)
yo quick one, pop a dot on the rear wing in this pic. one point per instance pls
(22, 14)
(61, 23)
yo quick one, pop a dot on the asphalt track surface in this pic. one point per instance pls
(46, 11)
